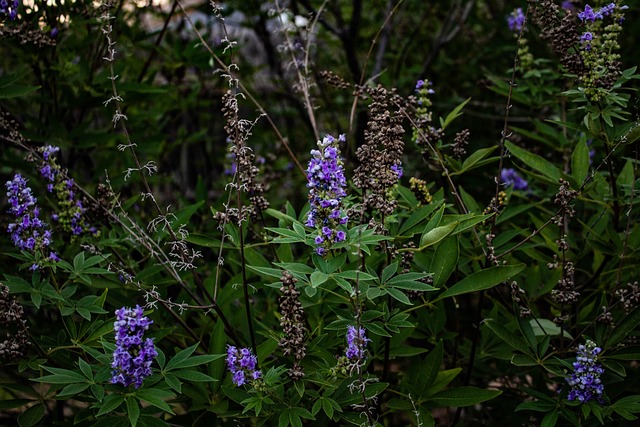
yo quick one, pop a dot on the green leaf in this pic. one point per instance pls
(191, 375)
(417, 217)
(154, 396)
(15, 91)
(133, 411)
(356, 275)
(463, 396)
(624, 328)
(73, 389)
(482, 280)
(511, 339)
(376, 329)
(193, 361)
(264, 271)
(580, 161)
(444, 261)
(61, 376)
(432, 365)
(475, 159)
(550, 419)
(442, 380)
(437, 234)
(173, 382)
(455, 113)
(317, 278)
(535, 162)
(181, 357)
(31, 416)
(626, 353)
(542, 327)
(110, 404)
(398, 295)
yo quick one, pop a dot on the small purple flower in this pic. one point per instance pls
(585, 380)
(11, 11)
(516, 20)
(397, 168)
(510, 177)
(242, 365)
(567, 5)
(356, 343)
(133, 355)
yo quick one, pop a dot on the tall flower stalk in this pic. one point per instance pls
(28, 232)
(326, 192)
(134, 354)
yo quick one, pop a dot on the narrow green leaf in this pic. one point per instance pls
(376, 329)
(474, 158)
(482, 280)
(191, 375)
(194, 361)
(399, 295)
(173, 382)
(181, 356)
(580, 161)
(463, 396)
(73, 389)
(432, 365)
(417, 217)
(15, 91)
(133, 411)
(155, 396)
(535, 162)
(454, 114)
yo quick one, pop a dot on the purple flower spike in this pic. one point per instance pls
(326, 182)
(585, 381)
(242, 365)
(28, 232)
(356, 343)
(133, 355)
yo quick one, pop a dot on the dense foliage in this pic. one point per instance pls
(295, 213)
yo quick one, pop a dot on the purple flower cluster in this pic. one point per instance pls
(326, 182)
(242, 365)
(590, 15)
(133, 354)
(356, 343)
(71, 215)
(516, 20)
(10, 10)
(510, 177)
(585, 381)
(28, 232)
